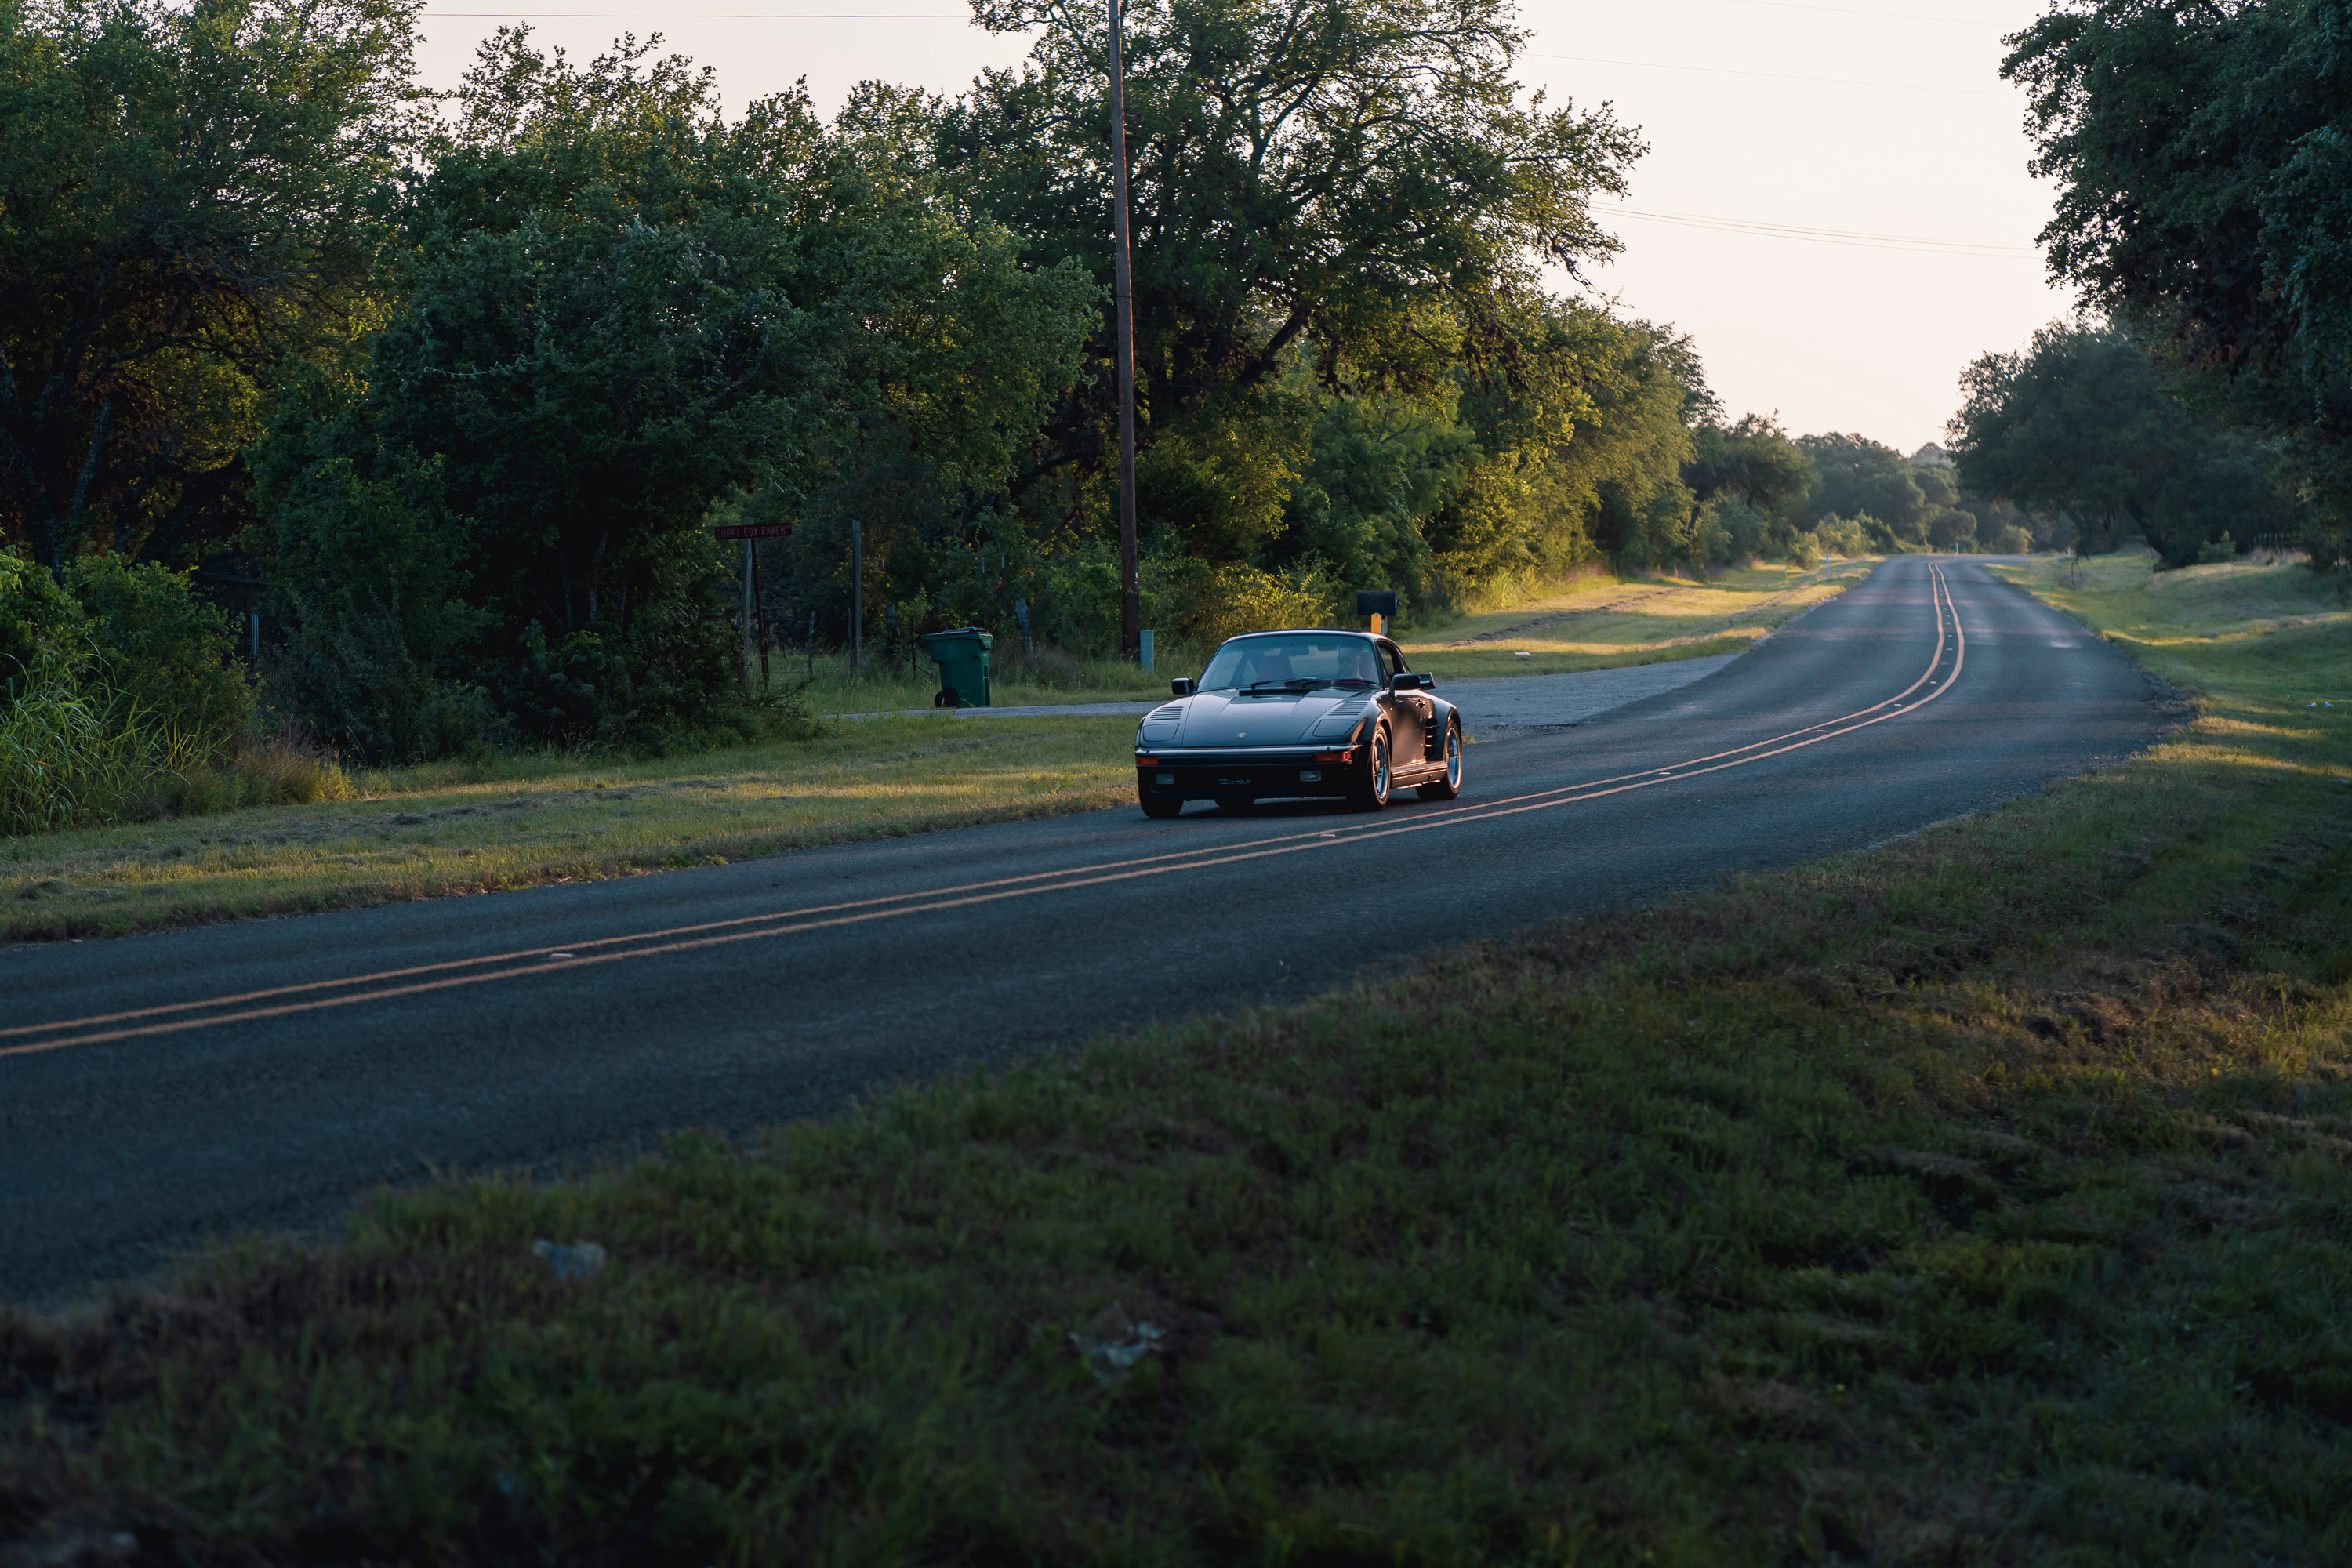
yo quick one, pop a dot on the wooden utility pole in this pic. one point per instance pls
(856, 598)
(750, 602)
(1130, 594)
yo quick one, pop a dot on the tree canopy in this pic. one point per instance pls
(2078, 422)
(190, 197)
(1305, 174)
(474, 385)
(2203, 153)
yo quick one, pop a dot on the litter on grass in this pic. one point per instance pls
(582, 1260)
(1114, 1347)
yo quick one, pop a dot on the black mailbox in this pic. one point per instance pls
(1381, 602)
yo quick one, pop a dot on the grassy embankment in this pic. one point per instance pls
(1603, 621)
(1594, 621)
(1980, 1199)
(445, 829)
(902, 680)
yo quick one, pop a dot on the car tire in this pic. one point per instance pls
(1368, 790)
(1159, 807)
(1450, 785)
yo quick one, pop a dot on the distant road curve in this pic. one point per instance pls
(161, 1089)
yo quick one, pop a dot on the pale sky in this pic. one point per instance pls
(1882, 123)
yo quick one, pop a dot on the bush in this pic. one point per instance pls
(69, 756)
(1247, 599)
(1729, 530)
(2214, 552)
(2011, 540)
(364, 577)
(1845, 535)
(156, 644)
(39, 621)
(117, 690)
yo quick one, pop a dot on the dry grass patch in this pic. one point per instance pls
(1603, 622)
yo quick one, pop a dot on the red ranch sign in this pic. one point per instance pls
(754, 531)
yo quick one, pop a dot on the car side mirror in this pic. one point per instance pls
(1429, 683)
(1404, 680)
(1181, 686)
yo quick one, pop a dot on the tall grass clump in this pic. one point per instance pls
(60, 761)
(120, 699)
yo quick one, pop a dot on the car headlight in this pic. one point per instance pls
(1333, 728)
(1159, 735)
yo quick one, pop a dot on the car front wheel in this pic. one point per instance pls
(1158, 805)
(1371, 783)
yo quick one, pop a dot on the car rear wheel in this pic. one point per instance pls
(1450, 785)
(1369, 789)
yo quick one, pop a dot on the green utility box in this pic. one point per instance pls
(962, 657)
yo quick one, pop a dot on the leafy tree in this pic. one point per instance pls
(1579, 419)
(1750, 481)
(2078, 422)
(1379, 462)
(623, 310)
(2203, 153)
(189, 196)
(1854, 476)
(1753, 459)
(1306, 174)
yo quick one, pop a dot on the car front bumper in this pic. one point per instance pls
(1293, 772)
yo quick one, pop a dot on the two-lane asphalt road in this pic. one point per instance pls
(160, 1089)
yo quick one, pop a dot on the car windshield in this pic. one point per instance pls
(1294, 661)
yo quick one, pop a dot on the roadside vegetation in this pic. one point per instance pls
(1978, 1199)
(446, 829)
(275, 828)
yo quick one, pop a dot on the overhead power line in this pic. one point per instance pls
(1768, 76)
(1856, 238)
(1883, 16)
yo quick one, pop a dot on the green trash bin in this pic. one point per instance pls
(963, 659)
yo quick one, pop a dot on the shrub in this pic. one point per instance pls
(1845, 535)
(1247, 599)
(39, 621)
(364, 577)
(169, 653)
(69, 756)
(2214, 552)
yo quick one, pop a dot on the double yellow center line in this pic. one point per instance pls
(383, 986)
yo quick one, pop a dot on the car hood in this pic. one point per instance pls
(1225, 718)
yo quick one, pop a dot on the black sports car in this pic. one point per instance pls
(1294, 715)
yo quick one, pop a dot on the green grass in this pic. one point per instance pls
(898, 680)
(1981, 1199)
(443, 830)
(1603, 621)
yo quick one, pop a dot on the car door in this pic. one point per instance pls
(1408, 713)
